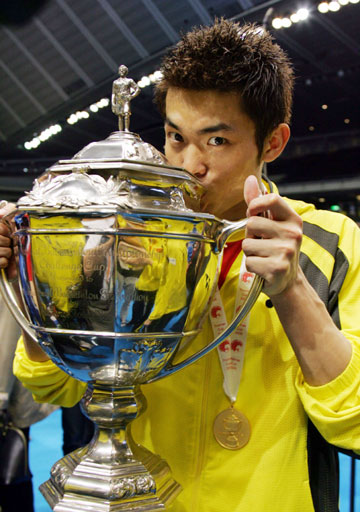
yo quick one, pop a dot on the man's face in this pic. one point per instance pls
(208, 134)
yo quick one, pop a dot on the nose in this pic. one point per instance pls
(194, 161)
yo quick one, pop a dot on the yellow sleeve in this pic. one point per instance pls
(334, 408)
(46, 381)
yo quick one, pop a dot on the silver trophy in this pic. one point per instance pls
(117, 270)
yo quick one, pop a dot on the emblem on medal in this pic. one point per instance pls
(232, 429)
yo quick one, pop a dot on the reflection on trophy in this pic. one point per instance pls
(117, 273)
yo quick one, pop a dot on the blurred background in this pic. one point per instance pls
(58, 59)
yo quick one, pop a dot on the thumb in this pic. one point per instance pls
(251, 189)
(6, 208)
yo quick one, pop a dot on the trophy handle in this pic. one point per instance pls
(6, 290)
(12, 303)
(227, 229)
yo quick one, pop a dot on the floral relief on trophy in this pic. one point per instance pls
(132, 486)
(60, 473)
(77, 190)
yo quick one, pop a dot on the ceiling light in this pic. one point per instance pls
(324, 107)
(286, 22)
(302, 14)
(144, 82)
(277, 23)
(55, 128)
(323, 7)
(343, 2)
(72, 119)
(295, 17)
(311, 128)
(347, 120)
(104, 102)
(354, 1)
(334, 6)
(44, 135)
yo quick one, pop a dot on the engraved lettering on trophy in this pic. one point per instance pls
(94, 268)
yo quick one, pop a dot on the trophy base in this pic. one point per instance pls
(112, 473)
(81, 485)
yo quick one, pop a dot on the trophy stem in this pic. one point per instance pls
(112, 473)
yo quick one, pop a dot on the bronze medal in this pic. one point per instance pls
(232, 429)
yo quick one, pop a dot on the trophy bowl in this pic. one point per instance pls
(117, 270)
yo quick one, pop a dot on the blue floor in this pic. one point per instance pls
(45, 450)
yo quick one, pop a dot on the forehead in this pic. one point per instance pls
(194, 107)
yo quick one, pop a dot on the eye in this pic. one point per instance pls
(174, 136)
(217, 141)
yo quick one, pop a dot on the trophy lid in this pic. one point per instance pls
(122, 170)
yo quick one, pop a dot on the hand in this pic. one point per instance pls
(7, 257)
(271, 244)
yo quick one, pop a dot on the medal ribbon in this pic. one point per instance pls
(232, 350)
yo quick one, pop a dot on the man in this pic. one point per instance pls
(226, 99)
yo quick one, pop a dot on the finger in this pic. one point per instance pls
(5, 255)
(6, 208)
(278, 208)
(5, 241)
(251, 189)
(261, 247)
(260, 227)
(4, 229)
(4, 262)
(5, 251)
(10, 266)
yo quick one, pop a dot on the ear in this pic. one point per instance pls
(276, 142)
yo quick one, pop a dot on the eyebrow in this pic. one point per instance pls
(209, 129)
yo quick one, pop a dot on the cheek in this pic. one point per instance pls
(173, 157)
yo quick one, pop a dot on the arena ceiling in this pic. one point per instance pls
(61, 56)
